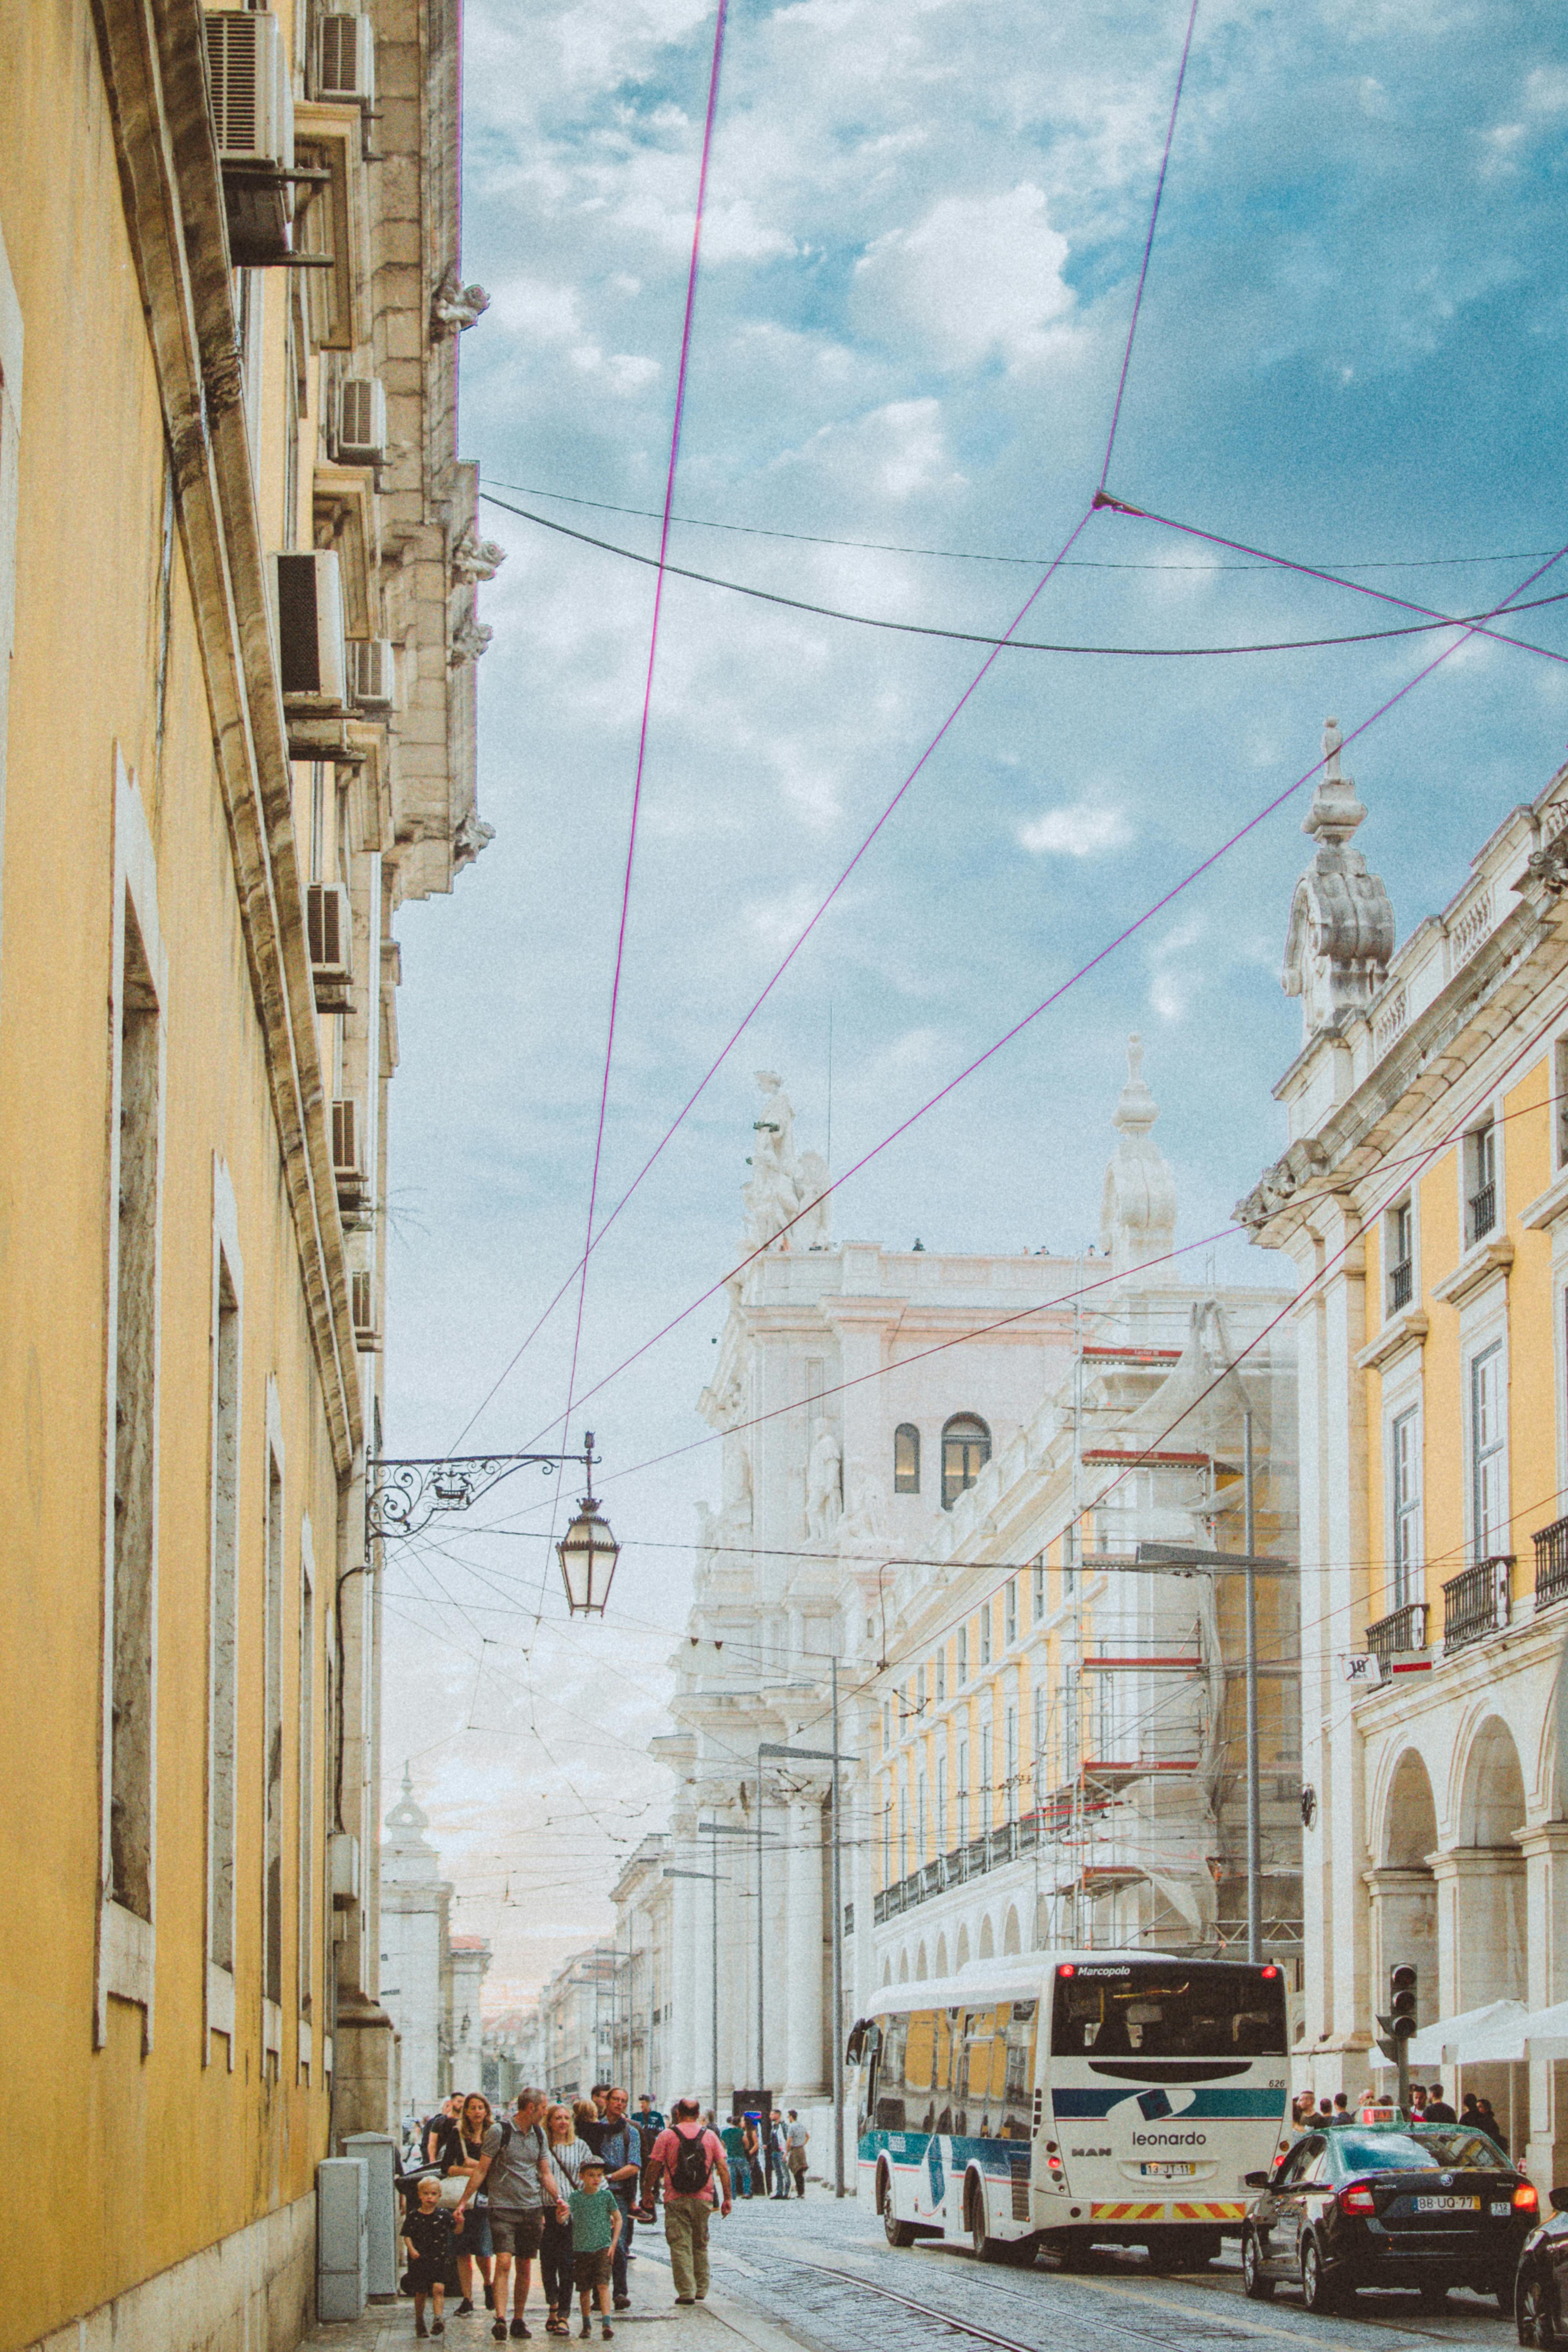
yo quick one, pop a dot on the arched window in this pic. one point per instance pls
(906, 1459)
(965, 1451)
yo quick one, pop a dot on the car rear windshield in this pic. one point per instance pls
(1396, 2151)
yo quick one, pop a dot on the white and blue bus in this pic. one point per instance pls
(1074, 2099)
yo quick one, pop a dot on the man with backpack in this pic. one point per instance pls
(516, 2170)
(689, 2156)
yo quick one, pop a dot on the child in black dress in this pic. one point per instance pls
(427, 2235)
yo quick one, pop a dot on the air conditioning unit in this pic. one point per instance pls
(360, 436)
(348, 1152)
(346, 61)
(372, 672)
(328, 931)
(253, 116)
(310, 597)
(361, 1305)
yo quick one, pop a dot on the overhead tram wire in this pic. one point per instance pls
(692, 277)
(954, 713)
(1010, 644)
(977, 555)
(1128, 931)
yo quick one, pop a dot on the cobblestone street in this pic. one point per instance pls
(814, 2273)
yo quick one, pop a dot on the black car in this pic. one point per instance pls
(1537, 2307)
(1431, 2206)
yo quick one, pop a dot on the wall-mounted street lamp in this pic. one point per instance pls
(402, 1497)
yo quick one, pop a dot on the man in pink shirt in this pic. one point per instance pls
(689, 2156)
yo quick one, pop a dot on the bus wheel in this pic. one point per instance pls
(897, 2232)
(987, 2249)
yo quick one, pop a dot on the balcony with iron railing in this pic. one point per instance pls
(1402, 1631)
(1478, 1602)
(1551, 1564)
(1400, 1285)
(1481, 1210)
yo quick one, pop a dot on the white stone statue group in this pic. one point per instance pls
(785, 1205)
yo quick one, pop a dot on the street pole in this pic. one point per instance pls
(761, 2064)
(837, 1962)
(1254, 1793)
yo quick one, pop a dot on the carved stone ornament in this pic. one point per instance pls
(1548, 868)
(454, 306)
(472, 836)
(824, 1486)
(1279, 1185)
(1138, 1203)
(1341, 933)
(474, 557)
(469, 640)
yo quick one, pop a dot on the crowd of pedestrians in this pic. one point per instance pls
(487, 2196)
(1427, 2105)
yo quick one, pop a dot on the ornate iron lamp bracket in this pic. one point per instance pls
(401, 1498)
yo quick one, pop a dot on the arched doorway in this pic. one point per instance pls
(961, 1957)
(987, 1940)
(941, 1956)
(1486, 1873)
(887, 1972)
(920, 1965)
(904, 1966)
(1403, 1890)
(1012, 1941)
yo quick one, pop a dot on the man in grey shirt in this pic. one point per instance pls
(515, 2172)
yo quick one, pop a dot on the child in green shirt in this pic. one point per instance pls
(595, 2226)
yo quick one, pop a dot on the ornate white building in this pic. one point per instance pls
(884, 1414)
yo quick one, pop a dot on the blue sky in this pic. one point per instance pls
(924, 235)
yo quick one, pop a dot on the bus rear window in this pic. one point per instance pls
(1168, 2010)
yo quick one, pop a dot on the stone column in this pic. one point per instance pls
(804, 2039)
(1480, 1914)
(1545, 1851)
(1404, 1929)
(1342, 1514)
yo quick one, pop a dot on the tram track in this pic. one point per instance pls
(1183, 2328)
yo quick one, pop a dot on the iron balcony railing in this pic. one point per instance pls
(1401, 1630)
(1483, 1211)
(1400, 1282)
(1551, 1563)
(1477, 1603)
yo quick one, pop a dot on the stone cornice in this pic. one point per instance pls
(1476, 1269)
(1548, 1206)
(1401, 1332)
(152, 54)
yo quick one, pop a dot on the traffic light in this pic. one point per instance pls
(1399, 2022)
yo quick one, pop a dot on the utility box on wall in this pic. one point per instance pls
(342, 2217)
(377, 2151)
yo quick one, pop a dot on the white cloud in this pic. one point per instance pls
(979, 275)
(1082, 830)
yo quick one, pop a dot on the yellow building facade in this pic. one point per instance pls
(1060, 1739)
(236, 642)
(1424, 1199)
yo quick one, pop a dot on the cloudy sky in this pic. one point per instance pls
(924, 235)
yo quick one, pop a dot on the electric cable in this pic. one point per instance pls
(1356, 587)
(971, 555)
(1010, 644)
(1129, 930)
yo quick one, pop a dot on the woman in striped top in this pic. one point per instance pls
(568, 2154)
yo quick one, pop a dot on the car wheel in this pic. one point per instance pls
(1534, 2322)
(1318, 2291)
(1259, 2288)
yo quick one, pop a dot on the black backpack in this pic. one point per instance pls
(693, 2166)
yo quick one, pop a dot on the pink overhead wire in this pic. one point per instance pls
(648, 682)
(1149, 243)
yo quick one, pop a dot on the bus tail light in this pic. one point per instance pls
(1357, 2200)
(1525, 2199)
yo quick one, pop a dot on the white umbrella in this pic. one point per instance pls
(1546, 2031)
(1493, 2033)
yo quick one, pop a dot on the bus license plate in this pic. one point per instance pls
(1448, 2204)
(1168, 2171)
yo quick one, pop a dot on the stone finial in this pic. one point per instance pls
(1341, 933)
(1138, 1205)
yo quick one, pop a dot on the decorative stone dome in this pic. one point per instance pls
(1341, 933)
